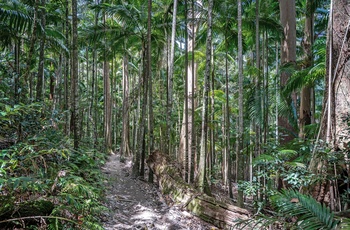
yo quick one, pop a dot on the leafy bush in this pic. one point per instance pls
(45, 168)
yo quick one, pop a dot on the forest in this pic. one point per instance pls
(249, 97)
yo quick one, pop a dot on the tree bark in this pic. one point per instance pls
(288, 57)
(203, 142)
(305, 95)
(170, 77)
(207, 208)
(239, 158)
(334, 128)
(124, 145)
(150, 85)
(74, 80)
(191, 83)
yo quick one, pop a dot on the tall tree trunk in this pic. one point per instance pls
(107, 127)
(227, 155)
(150, 90)
(66, 107)
(74, 87)
(239, 158)
(184, 156)
(140, 148)
(124, 145)
(107, 106)
(187, 138)
(170, 76)
(203, 143)
(336, 104)
(305, 96)
(211, 155)
(40, 79)
(257, 127)
(187, 154)
(33, 38)
(288, 57)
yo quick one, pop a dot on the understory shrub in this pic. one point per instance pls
(45, 184)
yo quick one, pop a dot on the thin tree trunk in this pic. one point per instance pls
(66, 107)
(227, 157)
(33, 38)
(239, 158)
(107, 106)
(142, 120)
(150, 91)
(212, 117)
(170, 76)
(74, 92)
(17, 49)
(203, 143)
(124, 146)
(40, 79)
(187, 154)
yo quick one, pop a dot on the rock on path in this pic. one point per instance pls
(135, 204)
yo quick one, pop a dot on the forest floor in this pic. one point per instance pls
(137, 204)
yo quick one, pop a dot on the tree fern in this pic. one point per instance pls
(311, 214)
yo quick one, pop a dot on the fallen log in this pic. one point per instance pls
(207, 208)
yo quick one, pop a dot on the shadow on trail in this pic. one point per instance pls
(136, 204)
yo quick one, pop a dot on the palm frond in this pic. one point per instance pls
(15, 19)
(310, 213)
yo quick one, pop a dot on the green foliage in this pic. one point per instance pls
(46, 167)
(293, 210)
(14, 19)
(288, 164)
(308, 212)
(19, 119)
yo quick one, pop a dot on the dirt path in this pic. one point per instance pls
(135, 204)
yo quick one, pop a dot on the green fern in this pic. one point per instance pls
(311, 214)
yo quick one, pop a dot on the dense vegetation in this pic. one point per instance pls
(248, 94)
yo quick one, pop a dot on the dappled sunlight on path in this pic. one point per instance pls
(136, 204)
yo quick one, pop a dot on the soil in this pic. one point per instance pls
(137, 204)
